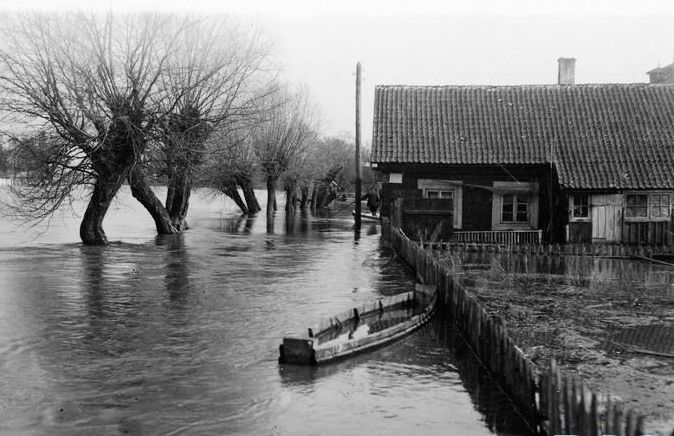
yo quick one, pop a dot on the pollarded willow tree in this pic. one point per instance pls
(92, 87)
(218, 75)
(281, 137)
(232, 166)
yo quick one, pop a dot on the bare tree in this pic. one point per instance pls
(218, 75)
(329, 163)
(287, 130)
(91, 85)
(232, 166)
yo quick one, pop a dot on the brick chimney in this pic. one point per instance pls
(567, 71)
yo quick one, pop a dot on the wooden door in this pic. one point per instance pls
(606, 217)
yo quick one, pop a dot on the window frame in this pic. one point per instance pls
(572, 207)
(501, 188)
(427, 191)
(650, 205)
(515, 210)
(455, 186)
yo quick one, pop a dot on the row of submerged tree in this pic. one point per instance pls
(101, 101)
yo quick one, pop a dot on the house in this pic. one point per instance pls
(567, 162)
(661, 75)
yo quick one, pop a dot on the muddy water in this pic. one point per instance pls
(179, 335)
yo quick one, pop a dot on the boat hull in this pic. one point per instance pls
(339, 338)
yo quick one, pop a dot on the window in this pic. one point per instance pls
(433, 193)
(654, 206)
(515, 208)
(580, 206)
(514, 205)
(658, 205)
(636, 206)
(444, 189)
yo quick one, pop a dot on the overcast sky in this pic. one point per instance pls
(494, 42)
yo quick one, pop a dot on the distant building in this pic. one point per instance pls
(661, 75)
(576, 163)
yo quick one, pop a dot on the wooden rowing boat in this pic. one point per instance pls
(361, 329)
(366, 216)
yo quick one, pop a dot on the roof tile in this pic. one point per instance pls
(599, 136)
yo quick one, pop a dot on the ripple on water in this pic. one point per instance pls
(180, 335)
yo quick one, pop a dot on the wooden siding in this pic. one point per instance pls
(580, 232)
(424, 219)
(476, 210)
(647, 233)
(608, 225)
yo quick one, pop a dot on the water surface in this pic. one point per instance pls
(179, 334)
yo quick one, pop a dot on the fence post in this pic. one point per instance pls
(553, 398)
(617, 419)
(582, 412)
(608, 424)
(594, 416)
(629, 423)
(568, 414)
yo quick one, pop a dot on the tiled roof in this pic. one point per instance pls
(598, 136)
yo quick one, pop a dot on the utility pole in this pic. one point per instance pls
(358, 171)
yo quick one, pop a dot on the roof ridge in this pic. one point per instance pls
(538, 86)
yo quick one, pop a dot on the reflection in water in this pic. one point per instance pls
(291, 219)
(595, 274)
(485, 393)
(179, 334)
(240, 224)
(94, 283)
(435, 359)
(177, 269)
(270, 225)
(250, 220)
(371, 229)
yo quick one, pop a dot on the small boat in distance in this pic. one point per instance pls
(362, 329)
(367, 216)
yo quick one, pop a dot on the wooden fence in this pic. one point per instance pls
(600, 250)
(509, 237)
(551, 404)
(571, 409)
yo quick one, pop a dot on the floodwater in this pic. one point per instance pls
(179, 335)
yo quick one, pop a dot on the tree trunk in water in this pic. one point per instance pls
(112, 161)
(142, 192)
(233, 193)
(271, 196)
(180, 188)
(305, 197)
(325, 195)
(314, 197)
(91, 227)
(170, 194)
(249, 194)
(291, 199)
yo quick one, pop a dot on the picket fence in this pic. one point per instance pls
(551, 402)
(599, 250)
